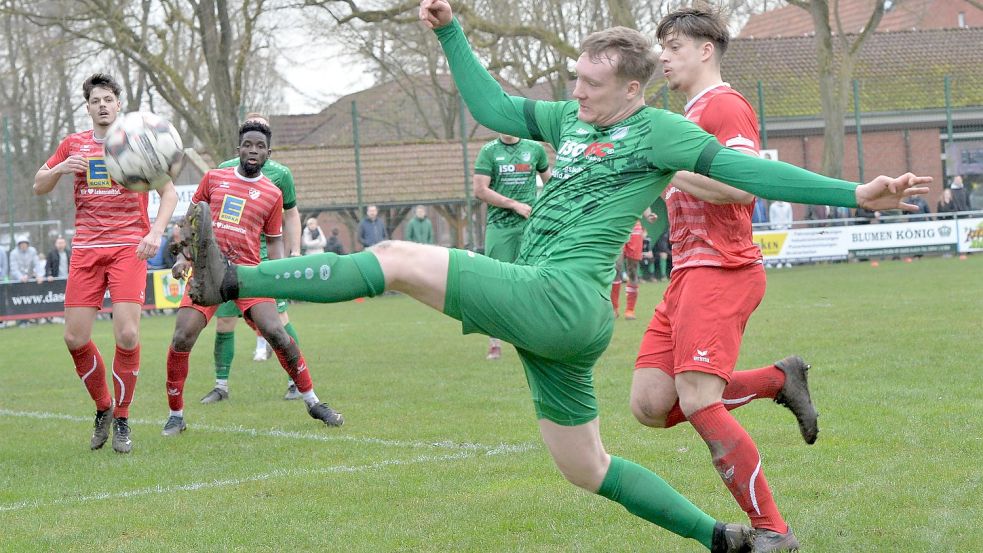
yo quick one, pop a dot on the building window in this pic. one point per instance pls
(962, 20)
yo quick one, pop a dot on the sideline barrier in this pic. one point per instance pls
(30, 300)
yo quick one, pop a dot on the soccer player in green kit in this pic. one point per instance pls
(505, 179)
(614, 157)
(228, 314)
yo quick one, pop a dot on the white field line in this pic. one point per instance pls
(274, 474)
(275, 433)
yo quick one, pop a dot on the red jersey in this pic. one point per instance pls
(106, 214)
(242, 209)
(705, 234)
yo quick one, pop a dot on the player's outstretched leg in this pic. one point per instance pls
(795, 396)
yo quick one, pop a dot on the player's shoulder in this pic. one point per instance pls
(276, 166)
(726, 98)
(222, 172)
(229, 163)
(268, 185)
(80, 137)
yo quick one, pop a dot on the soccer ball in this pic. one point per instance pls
(143, 151)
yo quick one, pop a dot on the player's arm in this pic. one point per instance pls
(274, 247)
(57, 165)
(481, 184)
(151, 242)
(709, 190)
(291, 230)
(546, 174)
(273, 229)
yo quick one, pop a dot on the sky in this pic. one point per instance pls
(317, 75)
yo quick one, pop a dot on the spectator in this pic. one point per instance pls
(24, 263)
(760, 213)
(3, 264)
(420, 229)
(817, 213)
(960, 196)
(58, 258)
(334, 244)
(663, 250)
(780, 214)
(922, 206)
(946, 205)
(371, 229)
(170, 256)
(158, 261)
(313, 239)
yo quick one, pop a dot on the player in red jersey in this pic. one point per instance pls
(685, 366)
(113, 240)
(626, 268)
(242, 204)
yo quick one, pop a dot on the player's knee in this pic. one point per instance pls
(184, 339)
(128, 338)
(277, 338)
(648, 412)
(75, 340)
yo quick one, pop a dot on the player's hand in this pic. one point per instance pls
(651, 217)
(181, 269)
(73, 164)
(435, 13)
(885, 193)
(149, 245)
(522, 209)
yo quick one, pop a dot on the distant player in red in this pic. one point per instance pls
(685, 366)
(242, 204)
(626, 268)
(113, 240)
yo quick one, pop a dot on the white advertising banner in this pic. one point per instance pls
(880, 240)
(970, 235)
(184, 194)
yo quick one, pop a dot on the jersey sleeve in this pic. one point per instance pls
(483, 163)
(287, 188)
(60, 155)
(730, 118)
(484, 96)
(274, 221)
(202, 193)
(543, 162)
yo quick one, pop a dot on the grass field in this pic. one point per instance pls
(440, 451)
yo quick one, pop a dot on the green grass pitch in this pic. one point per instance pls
(440, 451)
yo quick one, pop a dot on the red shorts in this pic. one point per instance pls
(209, 311)
(701, 320)
(633, 247)
(92, 270)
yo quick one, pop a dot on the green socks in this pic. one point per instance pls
(646, 495)
(663, 265)
(320, 278)
(289, 327)
(225, 350)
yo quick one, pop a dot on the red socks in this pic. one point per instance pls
(744, 387)
(91, 369)
(631, 292)
(737, 460)
(177, 373)
(296, 368)
(126, 367)
(615, 294)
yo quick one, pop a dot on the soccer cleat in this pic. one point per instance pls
(213, 274)
(216, 395)
(325, 414)
(121, 435)
(494, 353)
(101, 431)
(766, 541)
(174, 426)
(629, 314)
(732, 538)
(795, 396)
(292, 393)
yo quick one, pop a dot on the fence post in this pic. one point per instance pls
(467, 173)
(856, 122)
(358, 161)
(7, 163)
(949, 167)
(761, 117)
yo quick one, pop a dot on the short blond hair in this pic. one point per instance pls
(637, 59)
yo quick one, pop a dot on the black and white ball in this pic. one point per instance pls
(143, 151)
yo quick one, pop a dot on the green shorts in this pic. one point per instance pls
(229, 309)
(502, 243)
(558, 322)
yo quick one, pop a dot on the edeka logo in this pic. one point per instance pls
(96, 175)
(771, 243)
(232, 208)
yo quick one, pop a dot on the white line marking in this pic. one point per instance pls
(277, 473)
(276, 433)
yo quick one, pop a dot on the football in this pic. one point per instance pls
(143, 151)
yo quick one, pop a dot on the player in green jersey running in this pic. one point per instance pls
(228, 314)
(614, 157)
(505, 179)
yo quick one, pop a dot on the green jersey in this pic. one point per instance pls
(512, 168)
(281, 176)
(605, 177)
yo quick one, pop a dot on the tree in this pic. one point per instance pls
(836, 67)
